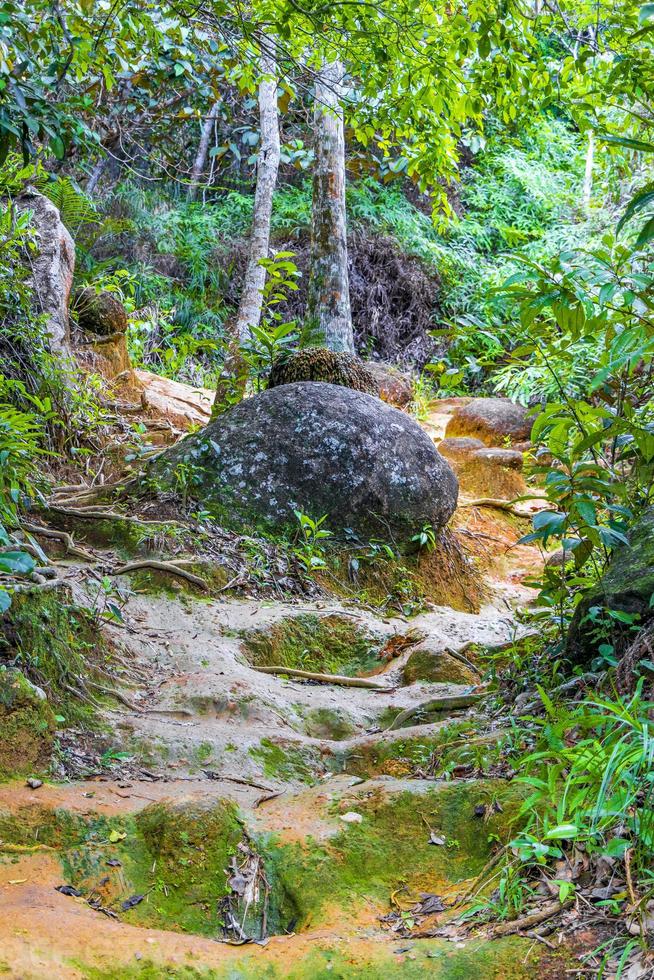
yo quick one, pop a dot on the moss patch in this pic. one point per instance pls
(328, 723)
(326, 644)
(56, 644)
(397, 756)
(128, 535)
(390, 848)
(286, 762)
(505, 959)
(27, 726)
(447, 575)
(436, 666)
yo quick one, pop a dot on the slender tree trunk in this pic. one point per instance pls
(588, 173)
(250, 305)
(203, 148)
(329, 291)
(251, 302)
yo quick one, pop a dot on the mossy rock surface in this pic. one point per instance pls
(627, 586)
(27, 726)
(436, 666)
(331, 644)
(328, 723)
(287, 762)
(397, 756)
(56, 643)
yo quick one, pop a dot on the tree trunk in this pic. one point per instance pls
(249, 309)
(201, 156)
(328, 302)
(251, 303)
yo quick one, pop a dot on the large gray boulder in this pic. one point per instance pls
(320, 449)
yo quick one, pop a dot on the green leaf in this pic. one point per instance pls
(629, 143)
(16, 562)
(641, 200)
(5, 600)
(646, 234)
(564, 831)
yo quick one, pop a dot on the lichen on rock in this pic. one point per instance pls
(321, 449)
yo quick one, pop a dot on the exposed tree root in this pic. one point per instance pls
(325, 678)
(111, 693)
(163, 566)
(434, 704)
(642, 648)
(507, 505)
(537, 705)
(457, 655)
(63, 536)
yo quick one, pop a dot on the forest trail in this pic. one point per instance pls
(311, 766)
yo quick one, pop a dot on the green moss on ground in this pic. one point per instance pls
(60, 829)
(156, 582)
(390, 848)
(397, 756)
(504, 959)
(325, 644)
(128, 535)
(27, 726)
(287, 762)
(327, 723)
(55, 643)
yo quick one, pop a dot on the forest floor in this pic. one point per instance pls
(359, 824)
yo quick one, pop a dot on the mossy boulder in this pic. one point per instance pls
(627, 586)
(495, 421)
(100, 313)
(27, 726)
(321, 364)
(436, 666)
(321, 449)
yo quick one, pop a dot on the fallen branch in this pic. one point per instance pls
(63, 536)
(545, 912)
(434, 704)
(325, 678)
(162, 566)
(241, 780)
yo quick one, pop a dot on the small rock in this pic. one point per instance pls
(351, 817)
(33, 783)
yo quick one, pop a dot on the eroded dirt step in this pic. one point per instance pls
(328, 880)
(208, 709)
